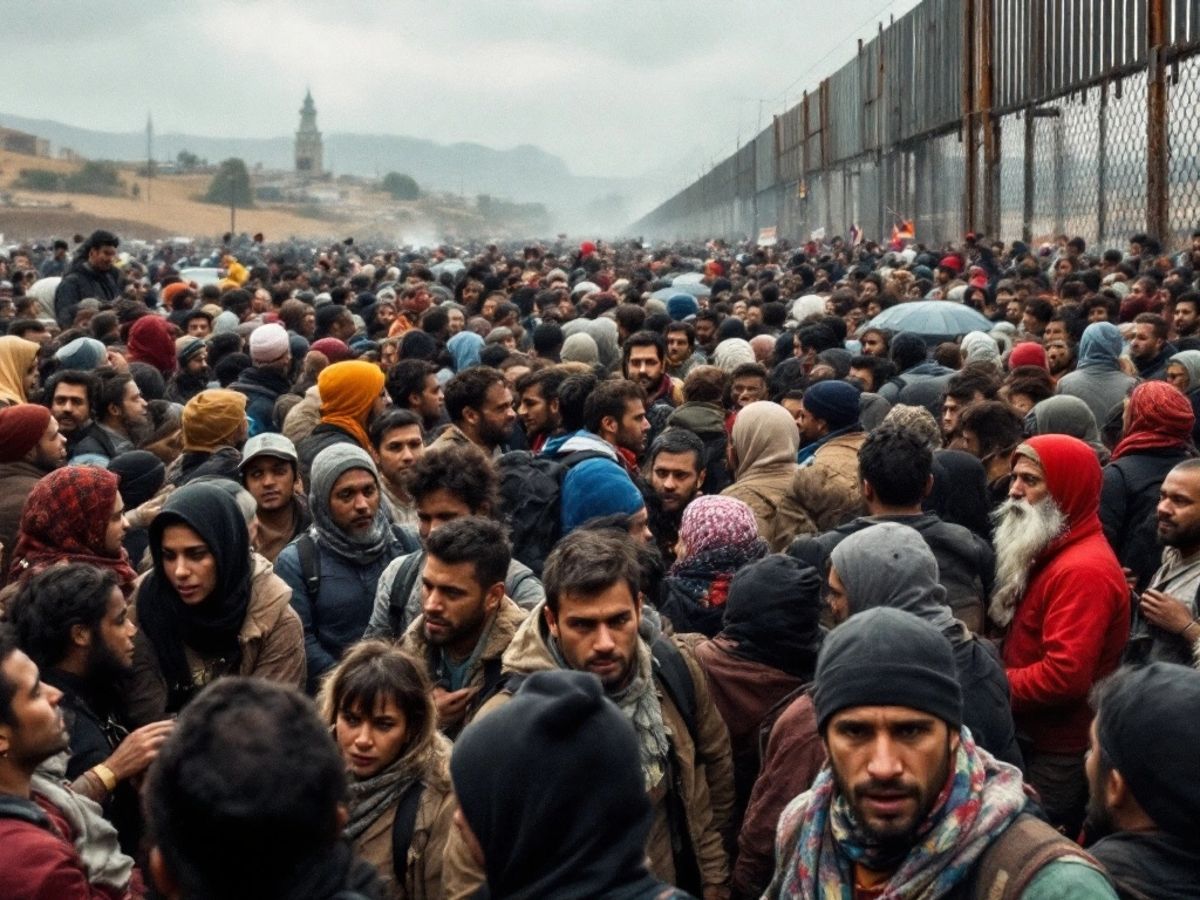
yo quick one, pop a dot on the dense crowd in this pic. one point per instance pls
(599, 570)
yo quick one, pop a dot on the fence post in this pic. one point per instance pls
(1102, 166)
(990, 127)
(971, 161)
(1156, 121)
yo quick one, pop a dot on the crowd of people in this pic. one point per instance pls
(598, 571)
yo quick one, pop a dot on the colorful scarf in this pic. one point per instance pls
(819, 842)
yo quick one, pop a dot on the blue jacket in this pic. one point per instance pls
(338, 615)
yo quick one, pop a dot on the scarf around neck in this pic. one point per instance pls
(819, 842)
(639, 703)
(371, 797)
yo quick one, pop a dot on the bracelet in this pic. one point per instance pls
(106, 776)
(1188, 627)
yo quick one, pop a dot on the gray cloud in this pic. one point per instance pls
(614, 87)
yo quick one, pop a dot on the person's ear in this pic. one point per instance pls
(700, 480)
(547, 612)
(495, 594)
(609, 425)
(928, 489)
(868, 492)
(81, 636)
(1116, 790)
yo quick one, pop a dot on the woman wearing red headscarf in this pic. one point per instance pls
(74, 514)
(1157, 435)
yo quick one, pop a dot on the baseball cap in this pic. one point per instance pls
(268, 444)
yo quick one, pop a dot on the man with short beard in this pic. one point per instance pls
(121, 417)
(467, 619)
(73, 621)
(1062, 596)
(909, 806)
(1145, 801)
(1168, 607)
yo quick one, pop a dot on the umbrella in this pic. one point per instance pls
(696, 290)
(687, 278)
(453, 266)
(934, 320)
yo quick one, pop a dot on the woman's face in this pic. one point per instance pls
(114, 534)
(386, 314)
(371, 743)
(457, 321)
(188, 563)
(31, 378)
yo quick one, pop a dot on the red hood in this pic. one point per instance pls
(1072, 476)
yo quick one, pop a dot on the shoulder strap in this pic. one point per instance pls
(492, 678)
(676, 679)
(402, 588)
(403, 828)
(1016, 857)
(310, 565)
(23, 810)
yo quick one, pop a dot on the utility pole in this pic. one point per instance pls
(149, 154)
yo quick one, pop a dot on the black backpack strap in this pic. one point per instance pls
(310, 565)
(1016, 857)
(676, 680)
(402, 588)
(403, 828)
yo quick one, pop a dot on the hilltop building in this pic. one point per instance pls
(309, 151)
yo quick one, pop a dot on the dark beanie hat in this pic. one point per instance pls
(772, 614)
(1148, 725)
(418, 345)
(834, 401)
(140, 475)
(21, 427)
(585, 798)
(887, 657)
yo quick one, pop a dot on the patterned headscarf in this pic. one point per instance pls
(65, 519)
(720, 536)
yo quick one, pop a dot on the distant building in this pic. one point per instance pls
(21, 142)
(308, 141)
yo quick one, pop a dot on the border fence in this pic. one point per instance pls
(1022, 119)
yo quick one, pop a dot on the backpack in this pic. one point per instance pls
(310, 559)
(530, 493)
(1015, 858)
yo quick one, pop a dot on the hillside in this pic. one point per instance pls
(166, 207)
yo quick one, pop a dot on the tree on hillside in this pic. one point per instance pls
(231, 185)
(186, 160)
(401, 187)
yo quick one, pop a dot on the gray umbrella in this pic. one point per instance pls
(696, 290)
(934, 320)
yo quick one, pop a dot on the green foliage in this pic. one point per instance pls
(95, 178)
(186, 161)
(231, 185)
(100, 178)
(39, 180)
(401, 187)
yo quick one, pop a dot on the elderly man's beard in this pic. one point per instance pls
(1022, 532)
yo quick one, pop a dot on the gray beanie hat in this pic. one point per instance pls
(83, 354)
(887, 657)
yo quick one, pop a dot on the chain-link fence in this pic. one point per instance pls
(1025, 119)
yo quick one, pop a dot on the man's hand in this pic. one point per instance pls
(451, 705)
(1165, 611)
(142, 516)
(134, 754)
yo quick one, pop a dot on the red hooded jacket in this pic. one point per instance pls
(1073, 620)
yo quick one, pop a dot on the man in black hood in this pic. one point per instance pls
(1145, 800)
(585, 815)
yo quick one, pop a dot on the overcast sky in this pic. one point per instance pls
(614, 88)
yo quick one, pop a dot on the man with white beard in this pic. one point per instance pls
(1061, 595)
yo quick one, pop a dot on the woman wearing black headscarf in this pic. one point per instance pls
(209, 607)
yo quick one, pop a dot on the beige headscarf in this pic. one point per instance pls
(764, 434)
(16, 356)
